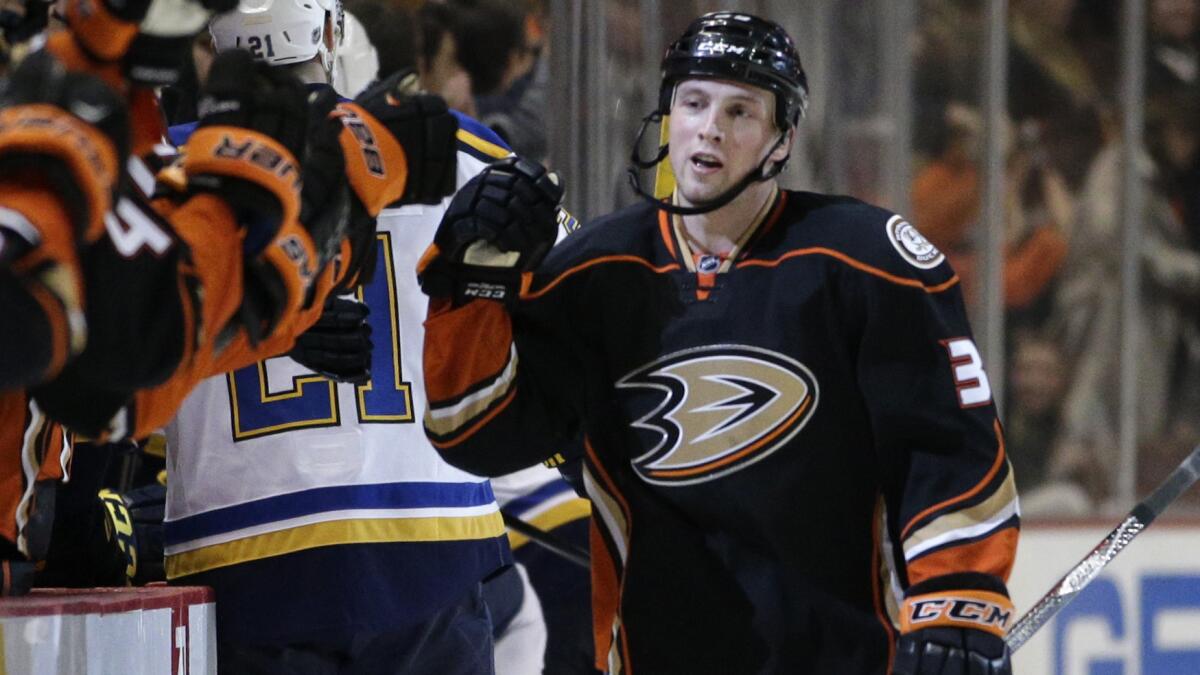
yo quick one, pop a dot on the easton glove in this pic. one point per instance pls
(499, 225)
(953, 628)
(425, 129)
(338, 345)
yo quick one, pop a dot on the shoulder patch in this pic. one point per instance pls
(912, 245)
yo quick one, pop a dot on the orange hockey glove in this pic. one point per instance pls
(252, 128)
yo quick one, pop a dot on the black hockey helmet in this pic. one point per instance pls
(742, 48)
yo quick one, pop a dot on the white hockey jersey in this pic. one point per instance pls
(282, 481)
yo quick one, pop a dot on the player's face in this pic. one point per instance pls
(720, 131)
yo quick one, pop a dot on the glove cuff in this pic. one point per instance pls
(376, 164)
(980, 610)
(234, 152)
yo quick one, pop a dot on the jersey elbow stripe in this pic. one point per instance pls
(445, 418)
(1001, 461)
(991, 514)
(991, 554)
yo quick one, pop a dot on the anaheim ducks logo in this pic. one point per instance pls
(725, 407)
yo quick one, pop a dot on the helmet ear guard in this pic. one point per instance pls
(737, 47)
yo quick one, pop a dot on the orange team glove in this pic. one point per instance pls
(253, 121)
(58, 174)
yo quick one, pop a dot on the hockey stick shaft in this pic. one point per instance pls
(1090, 567)
(548, 540)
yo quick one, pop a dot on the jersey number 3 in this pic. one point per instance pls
(967, 369)
(312, 400)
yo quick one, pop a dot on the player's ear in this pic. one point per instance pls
(785, 148)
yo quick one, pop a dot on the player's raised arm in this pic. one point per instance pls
(497, 229)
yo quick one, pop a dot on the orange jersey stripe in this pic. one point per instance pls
(664, 227)
(602, 622)
(993, 555)
(529, 295)
(1000, 455)
(857, 264)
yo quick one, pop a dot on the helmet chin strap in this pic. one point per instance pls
(757, 174)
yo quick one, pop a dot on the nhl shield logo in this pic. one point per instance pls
(723, 408)
(912, 245)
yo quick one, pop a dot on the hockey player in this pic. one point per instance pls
(329, 528)
(119, 284)
(791, 446)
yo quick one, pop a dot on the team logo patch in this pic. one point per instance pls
(912, 245)
(723, 408)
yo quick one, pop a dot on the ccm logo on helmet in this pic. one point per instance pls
(723, 408)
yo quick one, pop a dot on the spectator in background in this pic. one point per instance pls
(495, 31)
(1037, 381)
(1173, 45)
(391, 29)
(1087, 319)
(1059, 54)
(518, 112)
(946, 198)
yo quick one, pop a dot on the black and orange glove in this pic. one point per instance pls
(69, 128)
(426, 131)
(498, 226)
(63, 142)
(253, 124)
(955, 625)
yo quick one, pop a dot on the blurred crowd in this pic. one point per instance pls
(1062, 261)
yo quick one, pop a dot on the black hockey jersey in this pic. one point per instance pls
(779, 444)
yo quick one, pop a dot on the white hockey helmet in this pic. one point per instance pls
(281, 32)
(357, 60)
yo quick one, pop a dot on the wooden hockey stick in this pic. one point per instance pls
(549, 540)
(1089, 568)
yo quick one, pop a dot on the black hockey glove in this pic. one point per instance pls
(425, 128)
(500, 224)
(133, 531)
(325, 197)
(953, 625)
(338, 345)
(951, 651)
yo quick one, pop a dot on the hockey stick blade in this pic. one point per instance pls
(548, 540)
(1090, 567)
